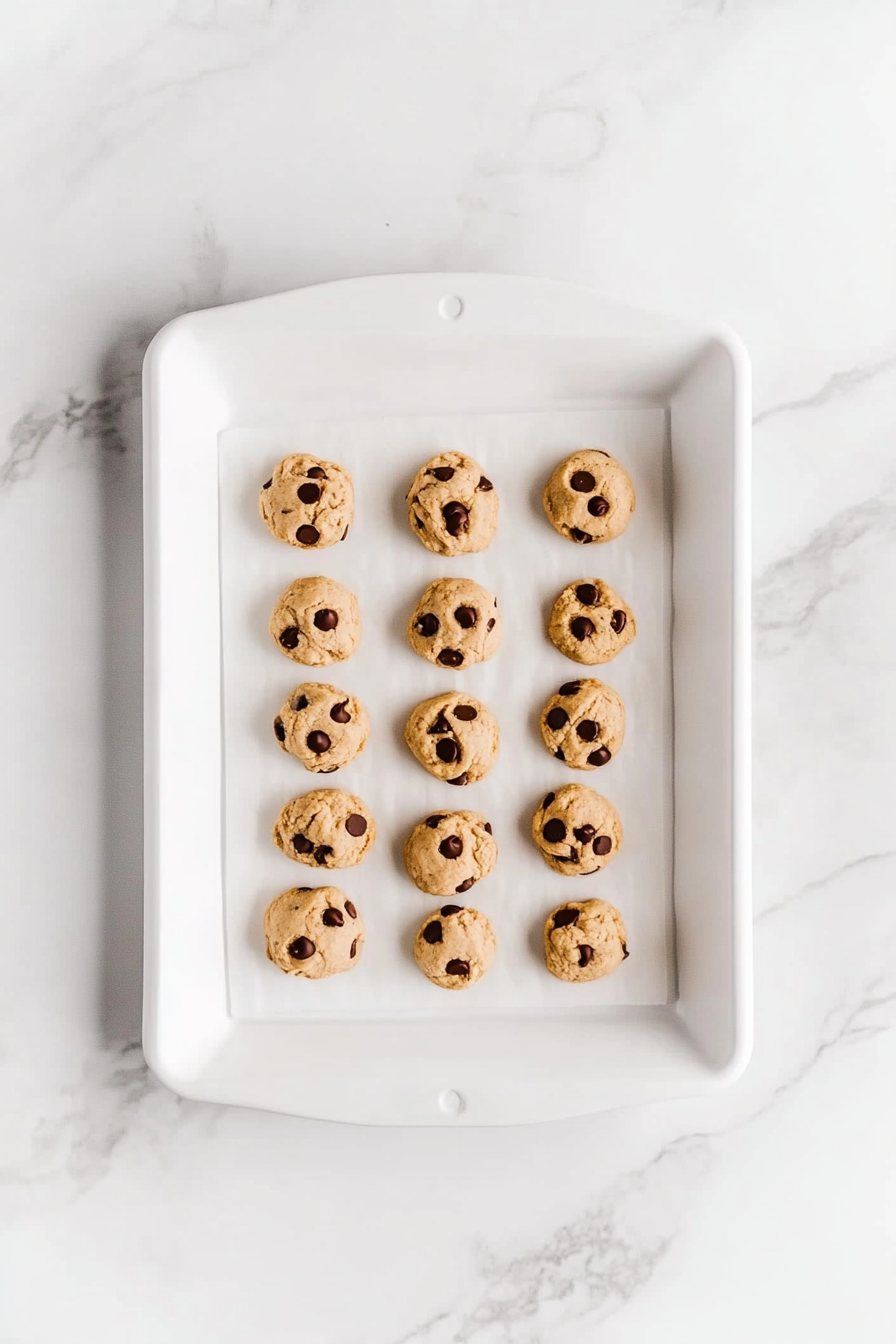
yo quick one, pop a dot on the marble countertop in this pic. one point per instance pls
(730, 160)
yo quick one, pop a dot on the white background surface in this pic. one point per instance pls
(733, 160)
(526, 566)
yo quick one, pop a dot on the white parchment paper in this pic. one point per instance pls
(526, 566)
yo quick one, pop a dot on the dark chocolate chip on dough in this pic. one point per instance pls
(457, 518)
(356, 825)
(587, 594)
(300, 702)
(465, 886)
(443, 473)
(279, 730)
(586, 955)
(457, 967)
(557, 718)
(448, 750)
(451, 847)
(587, 730)
(600, 757)
(554, 831)
(318, 743)
(428, 625)
(301, 949)
(617, 621)
(598, 506)
(451, 909)
(465, 617)
(451, 657)
(333, 918)
(570, 688)
(326, 619)
(582, 481)
(339, 713)
(433, 932)
(309, 493)
(564, 917)
(466, 713)
(441, 725)
(578, 535)
(581, 627)
(317, 473)
(307, 535)
(602, 845)
(484, 484)
(289, 637)
(302, 845)
(433, 821)
(350, 909)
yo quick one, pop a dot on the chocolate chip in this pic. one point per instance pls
(326, 619)
(570, 688)
(587, 594)
(617, 621)
(317, 473)
(289, 637)
(350, 910)
(301, 949)
(557, 718)
(295, 907)
(582, 481)
(564, 917)
(587, 730)
(451, 909)
(624, 952)
(308, 535)
(466, 713)
(451, 847)
(279, 730)
(465, 886)
(302, 845)
(339, 713)
(491, 623)
(581, 627)
(451, 657)
(599, 757)
(598, 506)
(428, 624)
(457, 967)
(443, 473)
(318, 743)
(300, 702)
(578, 535)
(487, 826)
(418, 520)
(461, 779)
(465, 617)
(548, 799)
(565, 858)
(354, 947)
(441, 725)
(333, 918)
(308, 493)
(433, 932)
(448, 750)
(484, 484)
(554, 831)
(559, 754)
(356, 824)
(267, 485)
(345, 533)
(331, 770)
(321, 854)
(586, 954)
(457, 519)
(432, 822)
(602, 845)
(584, 834)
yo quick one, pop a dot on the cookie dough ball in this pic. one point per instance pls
(590, 623)
(322, 726)
(576, 831)
(313, 933)
(326, 828)
(584, 940)
(454, 737)
(452, 505)
(316, 622)
(455, 947)
(455, 623)
(308, 502)
(584, 723)
(448, 852)
(589, 497)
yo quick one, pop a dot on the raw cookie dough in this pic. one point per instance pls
(455, 946)
(454, 737)
(448, 852)
(576, 831)
(455, 623)
(452, 505)
(323, 726)
(589, 497)
(316, 621)
(584, 723)
(590, 623)
(313, 933)
(584, 940)
(326, 828)
(308, 502)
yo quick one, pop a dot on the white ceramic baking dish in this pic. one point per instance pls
(428, 345)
